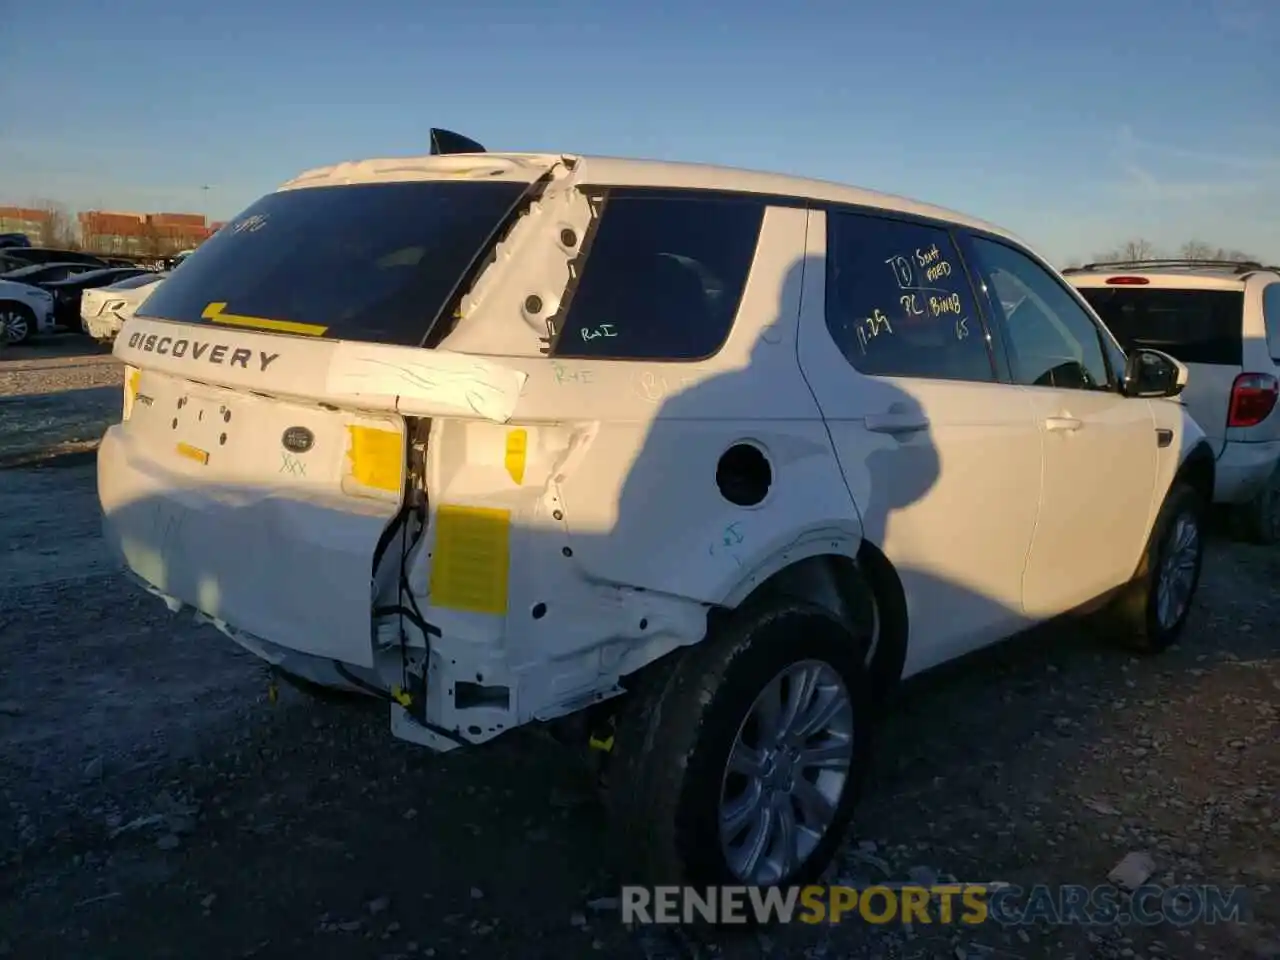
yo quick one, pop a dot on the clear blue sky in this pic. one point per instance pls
(1076, 124)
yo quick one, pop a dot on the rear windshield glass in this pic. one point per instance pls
(1194, 326)
(371, 262)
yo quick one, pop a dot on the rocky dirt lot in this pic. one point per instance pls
(154, 804)
(57, 396)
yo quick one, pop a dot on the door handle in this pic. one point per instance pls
(897, 423)
(1060, 424)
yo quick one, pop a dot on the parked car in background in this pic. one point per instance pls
(172, 263)
(25, 255)
(25, 311)
(66, 292)
(104, 310)
(1222, 319)
(693, 463)
(42, 273)
(14, 240)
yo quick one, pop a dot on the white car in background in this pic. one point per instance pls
(24, 310)
(104, 310)
(1221, 319)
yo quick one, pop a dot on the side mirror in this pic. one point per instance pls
(1153, 373)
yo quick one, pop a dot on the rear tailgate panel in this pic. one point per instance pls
(258, 510)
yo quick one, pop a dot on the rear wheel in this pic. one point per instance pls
(1152, 612)
(18, 320)
(740, 762)
(1259, 520)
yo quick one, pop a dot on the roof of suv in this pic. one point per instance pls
(613, 171)
(1182, 273)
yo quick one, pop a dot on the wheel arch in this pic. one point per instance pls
(839, 580)
(1198, 470)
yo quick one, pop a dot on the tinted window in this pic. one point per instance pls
(899, 303)
(1195, 326)
(1271, 314)
(371, 262)
(662, 279)
(101, 277)
(1052, 340)
(132, 283)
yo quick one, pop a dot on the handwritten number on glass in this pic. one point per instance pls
(871, 327)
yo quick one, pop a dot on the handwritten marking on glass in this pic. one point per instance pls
(603, 330)
(902, 271)
(911, 304)
(565, 375)
(931, 261)
(249, 224)
(962, 328)
(871, 327)
(292, 465)
(940, 306)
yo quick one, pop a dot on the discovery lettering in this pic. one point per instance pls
(217, 352)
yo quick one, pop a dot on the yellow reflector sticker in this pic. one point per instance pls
(131, 381)
(214, 313)
(517, 445)
(193, 453)
(377, 458)
(471, 558)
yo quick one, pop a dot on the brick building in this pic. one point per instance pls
(36, 224)
(141, 234)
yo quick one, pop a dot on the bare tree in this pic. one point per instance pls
(60, 227)
(1199, 250)
(152, 241)
(1135, 249)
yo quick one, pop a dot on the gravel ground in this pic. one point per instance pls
(57, 395)
(154, 804)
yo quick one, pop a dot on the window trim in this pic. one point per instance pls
(1101, 334)
(1271, 321)
(602, 196)
(998, 360)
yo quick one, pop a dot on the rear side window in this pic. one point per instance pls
(370, 262)
(663, 277)
(899, 302)
(1195, 326)
(1271, 314)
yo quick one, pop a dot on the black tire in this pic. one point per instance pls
(1135, 617)
(26, 318)
(675, 732)
(1258, 521)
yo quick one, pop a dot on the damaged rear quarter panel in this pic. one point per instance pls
(640, 498)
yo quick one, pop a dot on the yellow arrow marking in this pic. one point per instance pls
(213, 313)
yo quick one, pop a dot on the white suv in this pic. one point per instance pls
(1222, 319)
(692, 461)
